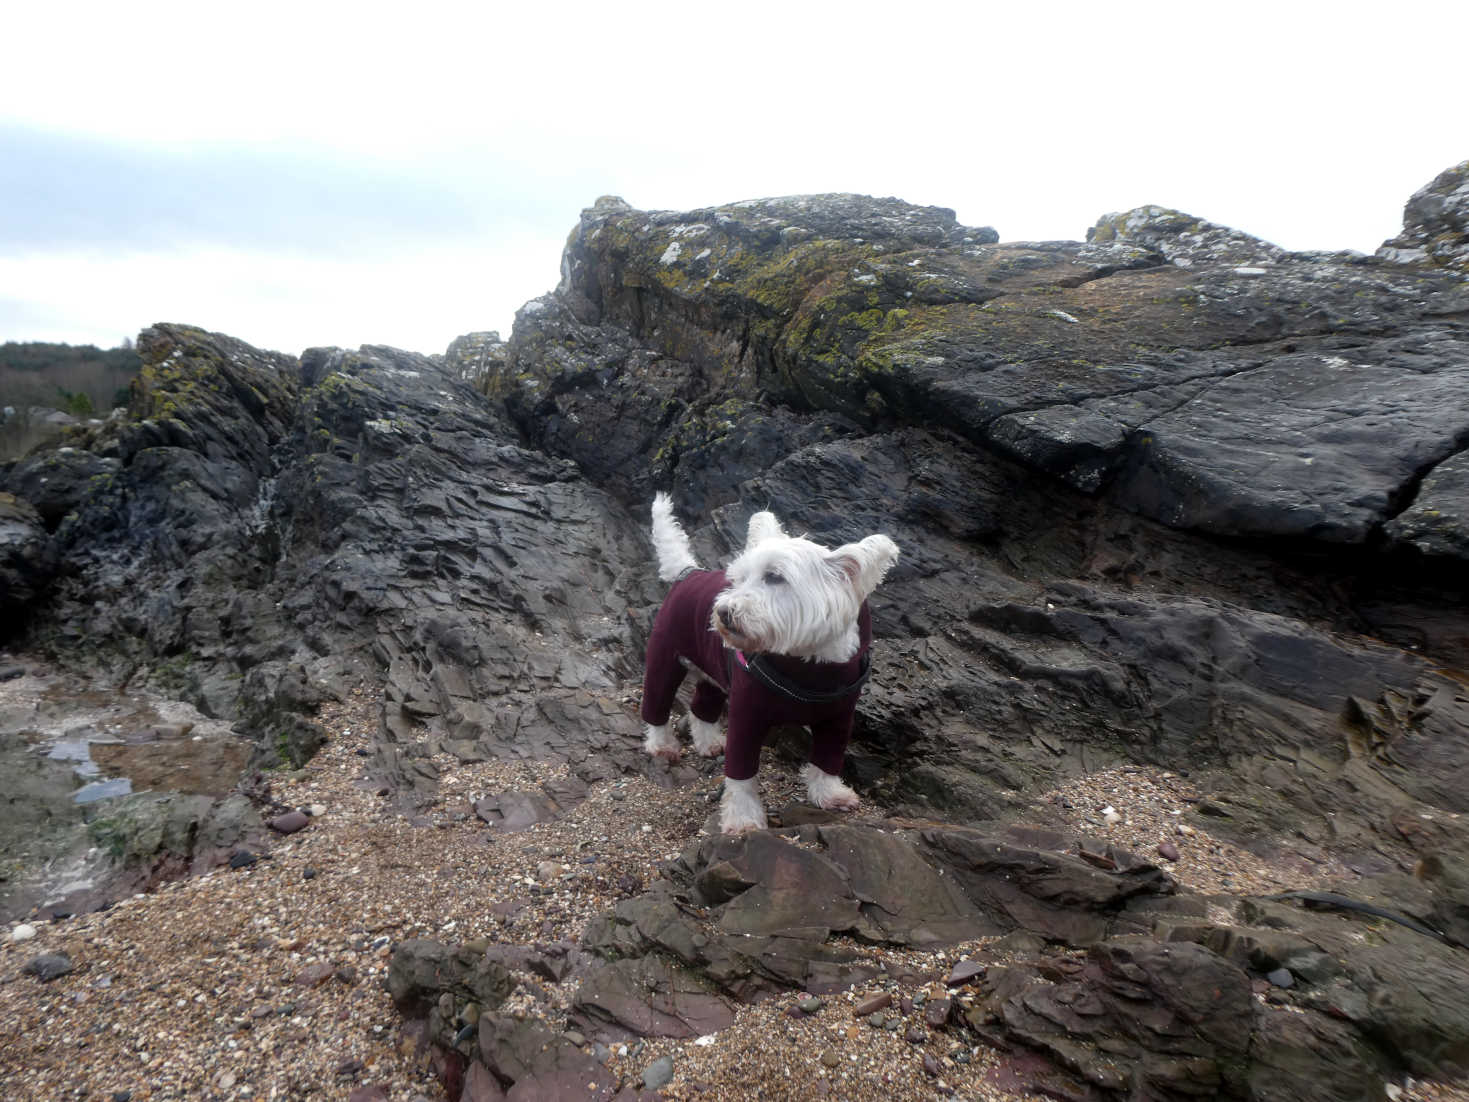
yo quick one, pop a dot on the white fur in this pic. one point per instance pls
(708, 737)
(826, 791)
(740, 809)
(786, 595)
(660, 743)
(669, 541)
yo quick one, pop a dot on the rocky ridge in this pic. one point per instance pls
(1170, 496)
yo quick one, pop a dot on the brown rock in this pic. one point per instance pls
(290, 822)
(936, 1013)
(1168, 851)
(314, 975)
(963, 972)
(872, 1004)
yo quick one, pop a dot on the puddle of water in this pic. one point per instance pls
(102, 790)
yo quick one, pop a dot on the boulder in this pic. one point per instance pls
(1435, 223)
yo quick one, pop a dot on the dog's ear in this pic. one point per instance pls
(763, 526)
(865, 563)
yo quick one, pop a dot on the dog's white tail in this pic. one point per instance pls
(669, 541)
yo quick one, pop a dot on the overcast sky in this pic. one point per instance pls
(298, 174)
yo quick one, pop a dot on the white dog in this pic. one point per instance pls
(783, 634)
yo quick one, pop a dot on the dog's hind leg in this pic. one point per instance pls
(704, 712)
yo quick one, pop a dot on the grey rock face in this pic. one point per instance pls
(1435, 223)
(1437, 522)
(27, 558)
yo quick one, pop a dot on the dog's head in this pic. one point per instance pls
(788, 595)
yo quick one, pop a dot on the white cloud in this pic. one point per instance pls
(1307, 124)
(419, 301)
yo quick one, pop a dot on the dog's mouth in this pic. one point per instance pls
(725, 624)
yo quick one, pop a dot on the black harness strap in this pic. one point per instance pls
(761, 671)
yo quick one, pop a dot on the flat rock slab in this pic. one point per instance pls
(513, 811)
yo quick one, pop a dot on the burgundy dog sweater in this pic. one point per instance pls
(681, 630)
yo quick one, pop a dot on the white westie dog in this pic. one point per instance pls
(783, 634)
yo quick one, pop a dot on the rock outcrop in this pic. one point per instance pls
(1171, 495)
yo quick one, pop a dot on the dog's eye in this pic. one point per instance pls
(772, 578)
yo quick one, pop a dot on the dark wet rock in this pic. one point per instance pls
(27, 559)
(1043, 890)
(134, 843)
(49, 966)
(1437, 523)
(58, 480)
(420, 971)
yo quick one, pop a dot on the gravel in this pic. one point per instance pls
(265, 981)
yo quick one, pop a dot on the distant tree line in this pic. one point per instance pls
(82, 380)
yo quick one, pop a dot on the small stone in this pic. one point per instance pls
(872, 1004)
(963, 972)
(830, 1059)
(49, 966)
(308, 873)
(24, 932)
(242, 859)
(316, 811)
(1111, 816)
(811, 1005)
(618, 795)
(578, 1039)
(314, 975)
(122, 1096)
(658, 1074)
(878, 1020)
(290, 822)
(936, 1013)
(226, 1081)
(931, 1065)
(1281, 977)
(915, 1036)
(1168, 851)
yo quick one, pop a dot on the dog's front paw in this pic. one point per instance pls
(828, 792)
(740, 809)
(659, 742)
(708, 738)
